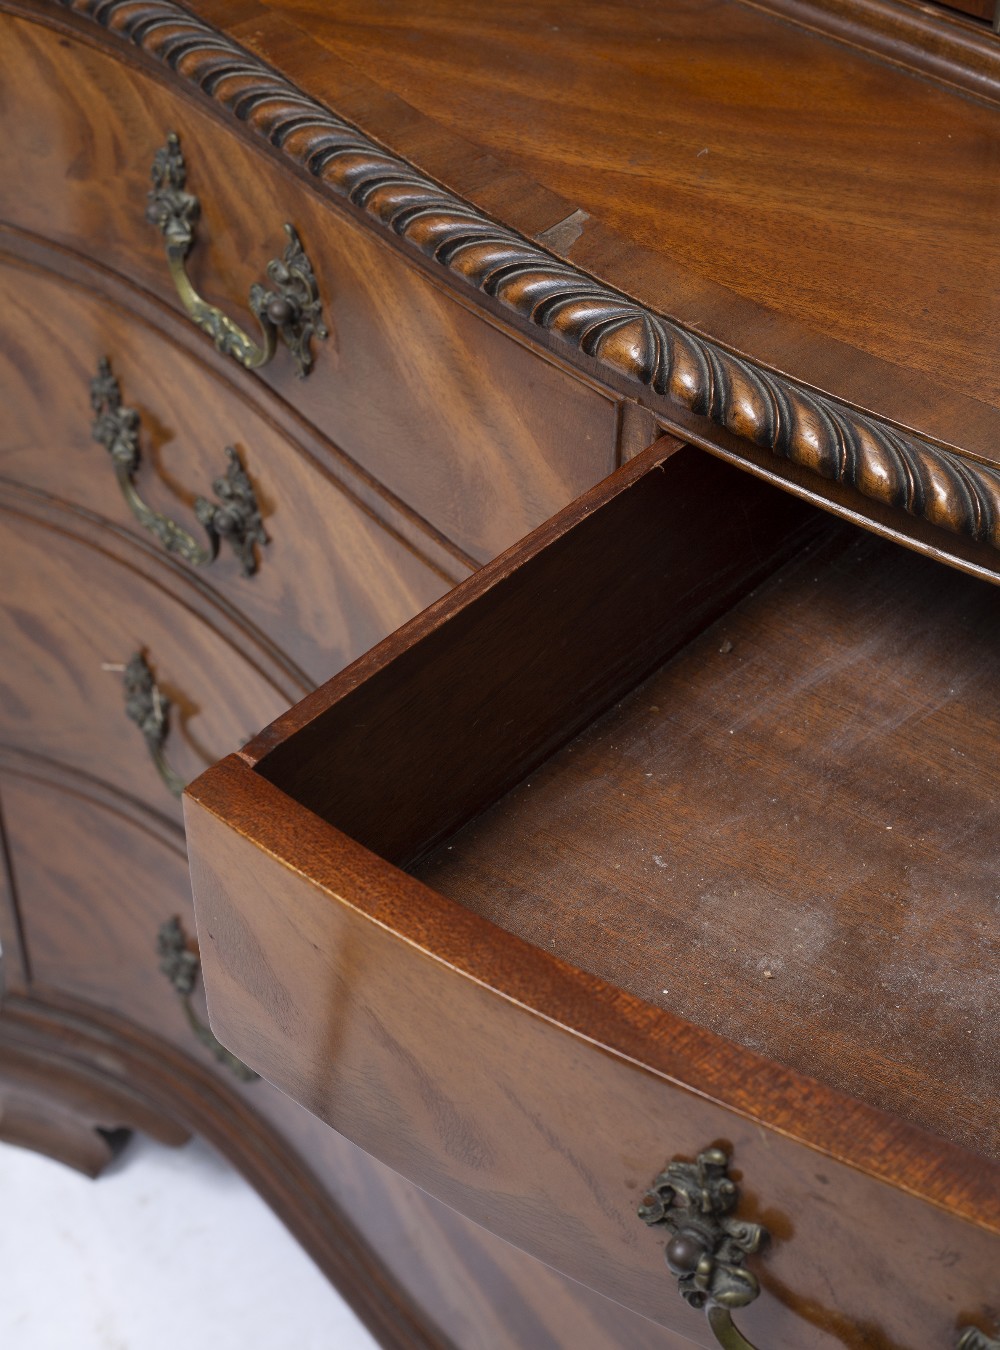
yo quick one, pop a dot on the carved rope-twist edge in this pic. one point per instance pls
(809, 430)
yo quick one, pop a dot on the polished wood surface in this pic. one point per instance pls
(540, 1102)
(402, 777)
(926, 38)
(100, 1072)
(538, 235)
(71, 609)
(693, 381)
(106, 954)
(507, 1081)
(93, 868)
(471, 429)
(792, 197)
(502, 1299)
(330, 580)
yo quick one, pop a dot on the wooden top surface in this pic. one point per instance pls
(809, 205)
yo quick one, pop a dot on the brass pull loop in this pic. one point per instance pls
(290, 311)
(180, 962)
(236, 516)
(971, 1338)
(707, 1248)
(150, 711)
(725, 1329)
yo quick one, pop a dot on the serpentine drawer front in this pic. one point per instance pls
(75, 614)
(330, 578)
(634, 907)
(477, 433)
(448, 904)
(105, 954)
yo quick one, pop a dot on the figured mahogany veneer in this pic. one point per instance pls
(332, 578)
(474, 429)
(516, 1048)
(475, 903)
(476, 433)
(834, 330)
(72, 606)
(119, 1052)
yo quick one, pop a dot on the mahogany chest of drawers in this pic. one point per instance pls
(637, 898)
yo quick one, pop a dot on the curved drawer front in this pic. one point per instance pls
(329, 580)
(91, 909)
(535, 1038)
(90, 918)
(72, 608)
(482, 436)
(352, 989)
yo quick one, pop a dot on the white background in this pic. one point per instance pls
(168, 1250)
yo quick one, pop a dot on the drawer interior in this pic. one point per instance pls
(729, 755)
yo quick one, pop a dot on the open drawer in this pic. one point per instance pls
(675, 828)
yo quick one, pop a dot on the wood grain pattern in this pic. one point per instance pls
(551, 637)
(331, 580)
(327, 967)
(479, 435)
(535, 1099)
(70, 1115)
(78, 273)
(514, 1085)
(343, 1205)
(108, 844)
(72, 604)
(813, 298)
(691, 847)
(628, 339)
(102, 1068)
(930, 39)
(97, 875)
(358, 1216)
(92, 906)
(784, 195)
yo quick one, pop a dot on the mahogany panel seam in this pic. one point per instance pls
(628, 340)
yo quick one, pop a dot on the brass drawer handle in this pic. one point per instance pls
(150, 711)
(236, 516)
(707, 1248)
(290, 311)
(180, 962)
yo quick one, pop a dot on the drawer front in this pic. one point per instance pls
(90, 918)
(329, 581)
(481, 435)
(74, 605)
(447, 1049)
(91, 910)
(537, 1098)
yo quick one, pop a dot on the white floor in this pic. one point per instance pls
(169, 1250)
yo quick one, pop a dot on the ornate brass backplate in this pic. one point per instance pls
(707, 1248)
(180, 962)
(149, 709)
(291, 310)
(234, 517)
